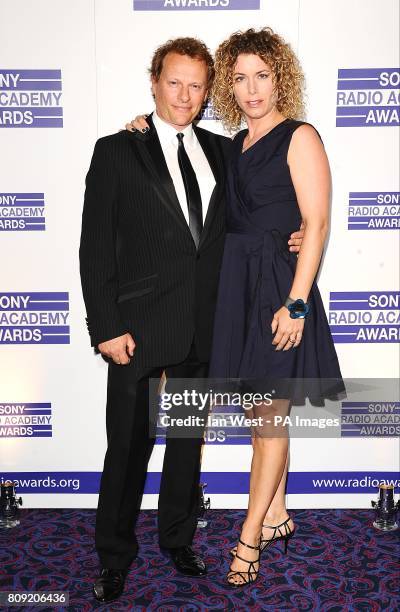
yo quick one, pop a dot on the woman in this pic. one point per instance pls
(270, 323)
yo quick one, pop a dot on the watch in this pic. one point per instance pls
(298, 309)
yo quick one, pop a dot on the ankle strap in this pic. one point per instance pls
(280, 525)
(248, 545)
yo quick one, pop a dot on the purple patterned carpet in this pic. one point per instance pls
(336, 562)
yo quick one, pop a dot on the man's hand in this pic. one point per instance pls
(118, 349)
(296, 239)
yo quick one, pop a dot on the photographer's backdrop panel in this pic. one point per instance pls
(72, 73)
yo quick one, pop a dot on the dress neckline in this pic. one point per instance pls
(261, 137)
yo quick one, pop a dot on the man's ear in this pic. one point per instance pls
(153, 85)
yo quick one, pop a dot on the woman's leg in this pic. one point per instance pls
(270, 451)
(277, 512)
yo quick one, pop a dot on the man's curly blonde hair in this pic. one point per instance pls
(287, 74)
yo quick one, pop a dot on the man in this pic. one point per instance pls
(151, 246)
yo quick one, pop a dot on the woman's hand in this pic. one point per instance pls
(288, 331)
(138, 123)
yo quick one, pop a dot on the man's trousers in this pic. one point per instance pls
(125, 466)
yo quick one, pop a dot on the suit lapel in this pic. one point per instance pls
(213, 152)
(147, 149)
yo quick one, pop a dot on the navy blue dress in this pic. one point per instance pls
(257, 273)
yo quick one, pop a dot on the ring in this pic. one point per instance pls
(292, 341)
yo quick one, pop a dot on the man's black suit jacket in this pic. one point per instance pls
(140, 270)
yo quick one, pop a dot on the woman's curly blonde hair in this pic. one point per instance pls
(273, 50)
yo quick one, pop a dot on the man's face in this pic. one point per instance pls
(181, 89)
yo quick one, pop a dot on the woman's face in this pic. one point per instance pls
(253, 86)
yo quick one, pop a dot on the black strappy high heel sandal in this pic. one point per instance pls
(249, 576)
(265, 543)
(286, 535)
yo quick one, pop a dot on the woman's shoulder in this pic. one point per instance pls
(304, 142)
(303, 129)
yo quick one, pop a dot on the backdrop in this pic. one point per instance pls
(73, 72)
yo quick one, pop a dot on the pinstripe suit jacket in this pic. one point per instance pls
(140, 270)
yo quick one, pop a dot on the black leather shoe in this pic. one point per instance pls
(187, 562)
(109, 585)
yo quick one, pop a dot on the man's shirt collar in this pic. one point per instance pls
(167, 133)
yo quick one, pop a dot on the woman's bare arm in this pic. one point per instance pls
(309, 169)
